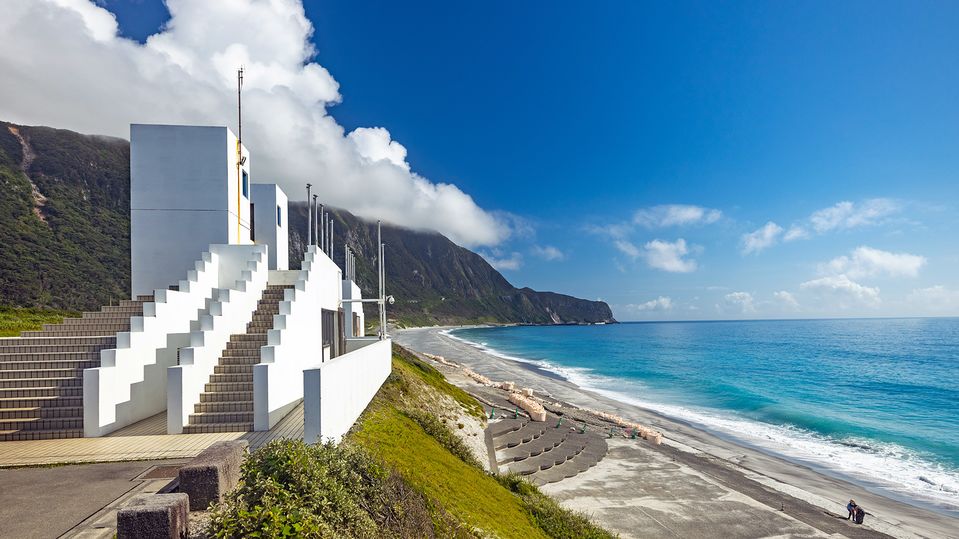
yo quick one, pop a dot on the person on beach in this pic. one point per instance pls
(851, 507)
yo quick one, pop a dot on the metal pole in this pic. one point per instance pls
(379, 273)
(383, 271)
(309, 218)
(322, 238)
(331, 238)
(313, 239)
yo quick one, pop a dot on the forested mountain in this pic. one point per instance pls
(65, 242)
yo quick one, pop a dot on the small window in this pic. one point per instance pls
(246, 184)
(279, 216)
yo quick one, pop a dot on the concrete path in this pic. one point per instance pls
(48, 502)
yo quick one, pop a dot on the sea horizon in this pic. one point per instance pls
(864, 447)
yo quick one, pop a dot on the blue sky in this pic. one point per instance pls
(632, 148)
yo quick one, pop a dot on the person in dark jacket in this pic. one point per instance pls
(851, 507)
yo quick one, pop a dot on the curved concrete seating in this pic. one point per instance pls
(572, 446)
(528, 433)
(593, 452)
(545, 443)
(505, 426)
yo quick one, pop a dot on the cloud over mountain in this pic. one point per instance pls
(65, 65)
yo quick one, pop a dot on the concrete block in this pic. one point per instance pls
(154, 516)
(213, 473)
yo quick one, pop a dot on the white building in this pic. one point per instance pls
(230, 340)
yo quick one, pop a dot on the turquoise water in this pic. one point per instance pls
(872, 400)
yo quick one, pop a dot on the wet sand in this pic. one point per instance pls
(617, 490)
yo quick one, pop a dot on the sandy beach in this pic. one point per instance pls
(694, 477)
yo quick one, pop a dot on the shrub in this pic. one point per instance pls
(291, 489)
(435, 428)
(553, 519)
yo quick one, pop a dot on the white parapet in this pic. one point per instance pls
(296, 341)
(336, 392)
(131, 382)
(228, 313)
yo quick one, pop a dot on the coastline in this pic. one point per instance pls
(829, 494)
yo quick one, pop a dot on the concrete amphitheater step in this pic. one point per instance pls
(551, 439)
(572, 446)
(529, 432)
(590, 456)
(504, 426)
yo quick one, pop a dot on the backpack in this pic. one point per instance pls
(860, 515)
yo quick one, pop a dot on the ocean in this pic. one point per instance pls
(874, 401)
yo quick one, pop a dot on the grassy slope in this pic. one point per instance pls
(466, 492)
(14, 320)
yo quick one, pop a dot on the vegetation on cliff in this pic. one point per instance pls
(401, 472)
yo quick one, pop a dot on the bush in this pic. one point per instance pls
(435, 428)
(291, 489)
(554, 520)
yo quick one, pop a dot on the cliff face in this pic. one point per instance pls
(436, 281)
(65, 242)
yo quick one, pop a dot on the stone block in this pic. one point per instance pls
(154, 516)
(213, 473)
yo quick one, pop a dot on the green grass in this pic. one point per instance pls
(463, 490)
(408, 365)
(14, 320)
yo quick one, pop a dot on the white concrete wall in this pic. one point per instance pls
(270, 210)
(227, 313)
(183, 188)
(131, 382)
(351, 291)
(296, 340)
(337, 392)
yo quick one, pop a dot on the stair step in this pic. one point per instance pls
(224, 406)
(41, 424)
(54, 401)
(46, 391)
(39, 412)
(36, 383)
(222, 427)
(231, 378)
(226, 396)
(220, 418)
(245, 345)
(19, 374)
(245, 337)
(233, 369)
(50, 348)
(27, 364)
(14, 435)
(211, 387)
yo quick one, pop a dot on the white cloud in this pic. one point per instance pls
(627, 248)
(758, 240)
(668, 256)
(936, 299)
(548, 252)
(844, 215)
(502, 261)
(662, 303)
(675, 215)
(868, 262)
(742, 300)
(65, 66)
(795, 232)
(842, 289)
(787, 299)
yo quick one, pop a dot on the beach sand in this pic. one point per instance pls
(693, 484)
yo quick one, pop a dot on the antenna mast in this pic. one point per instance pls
(239, 149)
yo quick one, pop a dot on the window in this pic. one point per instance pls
(246, 185)
(279, 216)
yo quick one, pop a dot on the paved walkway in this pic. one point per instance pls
(145, 440)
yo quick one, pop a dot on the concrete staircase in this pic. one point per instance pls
(41, 372)
(226, 405)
